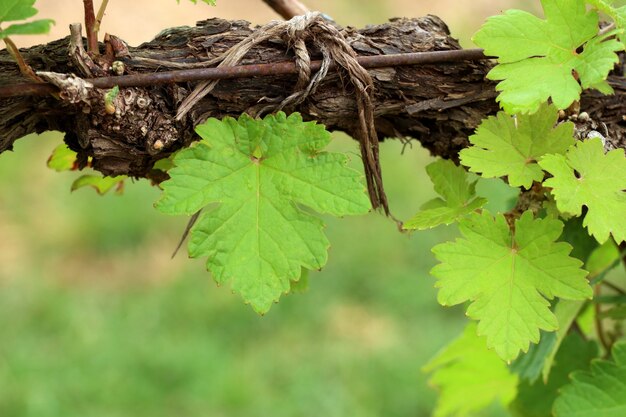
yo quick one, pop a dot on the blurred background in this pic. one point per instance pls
(97, 320)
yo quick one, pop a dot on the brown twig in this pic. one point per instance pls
(90, 27)
(287, 8)
(99, 17)
(25, 69)
(247, 71)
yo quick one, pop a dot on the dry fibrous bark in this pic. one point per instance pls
(439, 105)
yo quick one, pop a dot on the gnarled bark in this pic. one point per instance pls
(439, 105)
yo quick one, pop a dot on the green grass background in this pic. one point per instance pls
(97, 320)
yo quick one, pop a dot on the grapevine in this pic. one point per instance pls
(256, 185)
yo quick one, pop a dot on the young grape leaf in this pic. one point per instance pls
(62, 159)
(101, 184)
(459, 197)
(508, 277)
(11, 10)
(539, 58)
(469, 376)
(511, 146)
(258, 173)
(586, 176)
(536, 399)
(600, 392)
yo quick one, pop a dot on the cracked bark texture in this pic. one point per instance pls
(439, 105)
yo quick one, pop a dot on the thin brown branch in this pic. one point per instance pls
(247, 71)
(25, 69)
(287, 8)
(90, 26)
(100, 16)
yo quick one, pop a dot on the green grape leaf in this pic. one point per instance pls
(511, 146)
(258, 173)
(536, 399)
(459, 197)
(598, 393)
(539, 59)
(11, 10)
(586, 176)
(469, 376)
(101, 184)
(62, 159)
(508, 277)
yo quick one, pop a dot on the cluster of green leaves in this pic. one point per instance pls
(16, 10)
(517, 272)
(509, 276)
